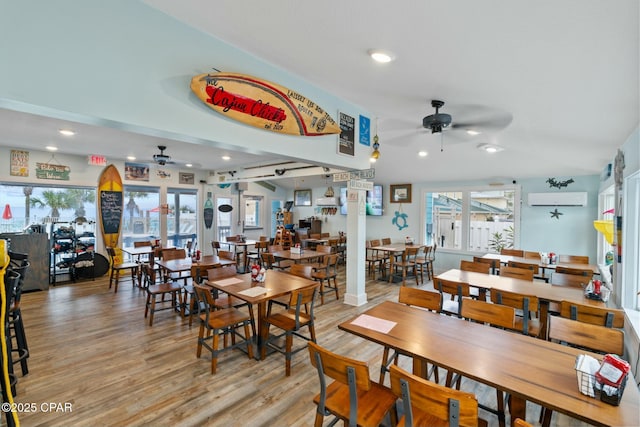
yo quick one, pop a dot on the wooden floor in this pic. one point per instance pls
(93, 350)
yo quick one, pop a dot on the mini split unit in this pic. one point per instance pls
(558, 199)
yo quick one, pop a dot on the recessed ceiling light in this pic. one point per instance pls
(489, 148)
(51, 148)
(473, 132)
(226, 157)
(381, 56)
(189, 165)
(422, 153)
(66, 132)
(131, 157)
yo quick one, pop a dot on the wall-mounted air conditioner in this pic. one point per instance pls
(558, 199)
(326, 201)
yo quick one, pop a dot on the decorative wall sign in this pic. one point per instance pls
(346, 142)
(400, 193)
(555, 214)
(19, 163)
(559, 184)
(52, 171)
(186, 178)
(262, 104)
(400, 220)
(163, 174)
(136, 171)
(365, 131)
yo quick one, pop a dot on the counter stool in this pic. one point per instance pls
(20, 352)
(163, 289)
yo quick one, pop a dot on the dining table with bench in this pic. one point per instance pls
(546, 292)
(527, 368)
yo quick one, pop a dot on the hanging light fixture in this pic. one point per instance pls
(375, 154)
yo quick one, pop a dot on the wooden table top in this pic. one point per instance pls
(276, 285)
(184, 264)
(504, 259)
(394, 247)
(140, 250)
(544, 291)
(247, 242)
(306, 254)
(529, 368)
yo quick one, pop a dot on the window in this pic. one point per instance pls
(477, 220)
(23, 206)
(182, 220)
(141, 215)
(253, 212)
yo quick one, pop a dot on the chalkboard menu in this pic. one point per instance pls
(111, 211)
(347, 134)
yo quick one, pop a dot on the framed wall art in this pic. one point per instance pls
(400, 193)
(302, 197)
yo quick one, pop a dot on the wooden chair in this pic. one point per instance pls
(494, 264)
(532, 255)
(601, 316)
(573, 259)
(524, 265)
(477, 267)
(300, 270)
(218, 322)
(418, 298)
(527, 310)
(342, 249)
(599, 339)
(517, 273)
(572, 280)
(291, 322)
(374, 258)
(215, 245)
(429, 404)
(512, 252)
(406, 263)
(496, 315)
(424, 263)
(454, 291)
(116, 268)
(323, 249)
(352, 397)
(171, 254)
(269, 262)
(254, 256)
(172, 289)
(325, 275)
(575, 271)
(386, 241)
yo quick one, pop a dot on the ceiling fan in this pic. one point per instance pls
(476, 120)
(464, 122)
(161, 158)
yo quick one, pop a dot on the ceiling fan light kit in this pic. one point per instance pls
(438, 121)
(490, 148)
(381, 56)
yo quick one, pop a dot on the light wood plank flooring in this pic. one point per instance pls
(93, 349)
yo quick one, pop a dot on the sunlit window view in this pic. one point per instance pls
(487, 220)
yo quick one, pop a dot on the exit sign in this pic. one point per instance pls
(97, 160)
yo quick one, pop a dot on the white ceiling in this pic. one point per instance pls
(566, 70)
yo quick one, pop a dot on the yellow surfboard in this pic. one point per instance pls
(110, 205)
(263, 104)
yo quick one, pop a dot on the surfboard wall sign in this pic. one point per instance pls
(110, 205)
(263, 104)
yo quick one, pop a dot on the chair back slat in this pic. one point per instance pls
(585, 272)
(433, 399)
(478, 267)
(572, 280)
(585, 335)
(494, 264)
(459, 289)
(573, 259)
(517, 273)
(420, 298)
(301, 270)
(512, 252)
(335, 366)
(601, 316)
(494, 314)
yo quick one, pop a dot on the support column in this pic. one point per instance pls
(356, 250)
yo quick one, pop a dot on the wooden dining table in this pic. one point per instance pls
(244, 245)
(185, 264)
(546, 292)
(504, 260)
(527, 368)
(392, 250)
(277, 284)
(304, 255)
